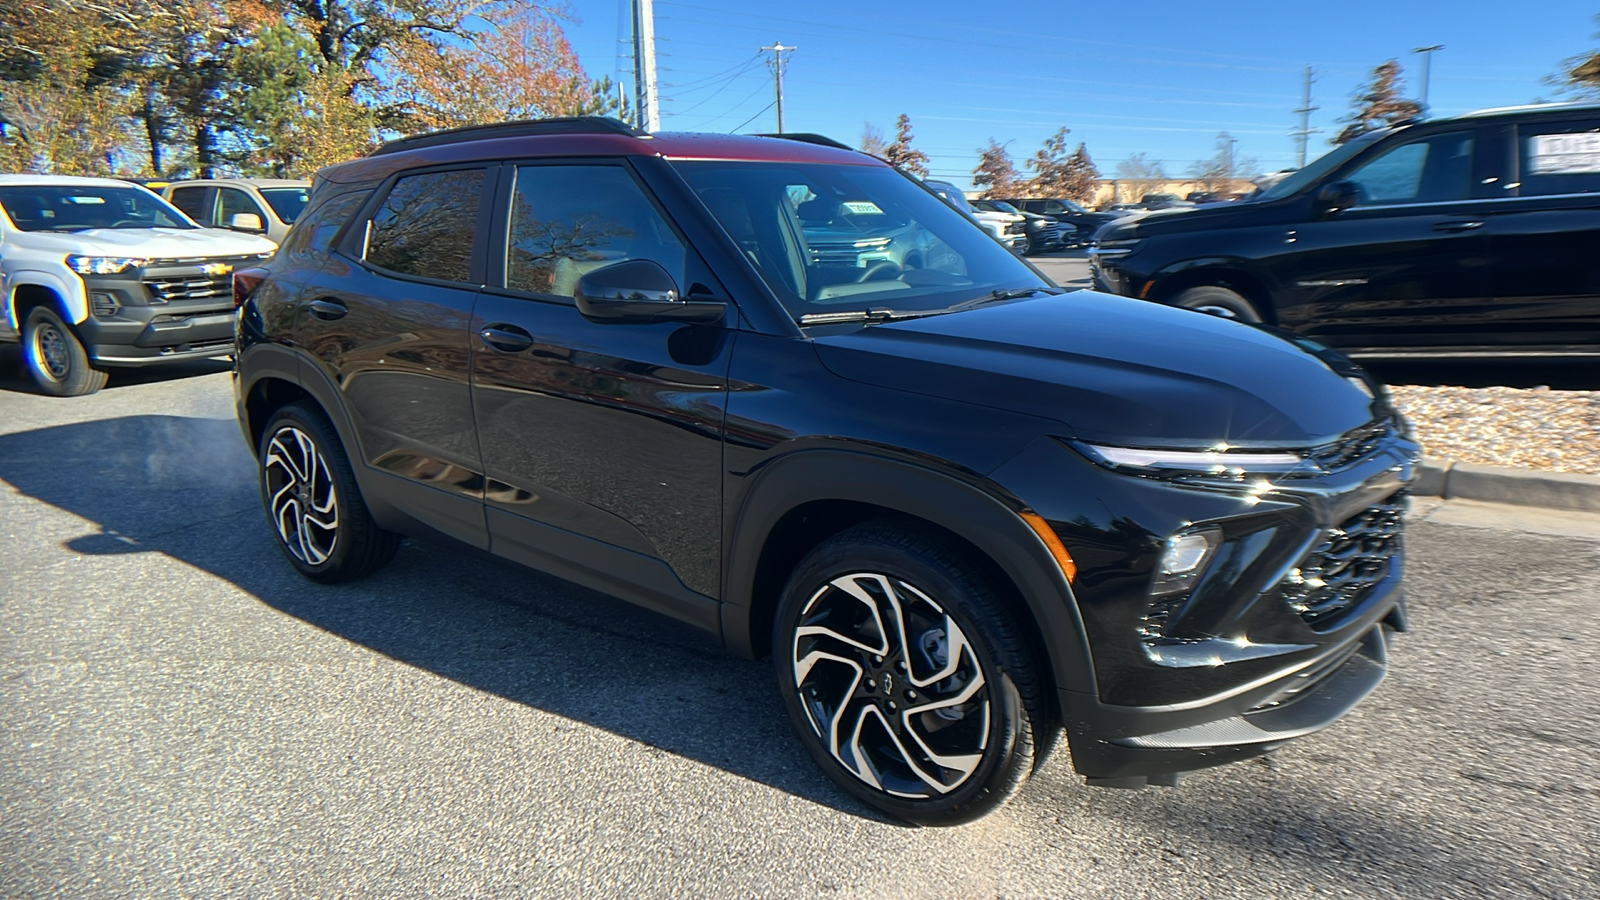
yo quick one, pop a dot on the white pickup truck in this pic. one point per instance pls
(97, 273)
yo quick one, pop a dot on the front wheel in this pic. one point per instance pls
(311, 497)
(56, 358)
(1218, 301)
(904, 677)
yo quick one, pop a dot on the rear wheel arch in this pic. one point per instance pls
(265, 397)
(801, 501)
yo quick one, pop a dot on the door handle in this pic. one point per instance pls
(505, 338)
(1463, 225)
(328, 310)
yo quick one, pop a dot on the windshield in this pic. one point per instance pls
(56, 207)
(841, 238)
(287, 202)
(1003, 206)
(1322, 166)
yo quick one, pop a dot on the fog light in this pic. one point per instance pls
(104, 304)
(1184, 560)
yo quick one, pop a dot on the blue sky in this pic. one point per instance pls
(1157, 77)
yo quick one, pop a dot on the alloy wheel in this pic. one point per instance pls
(891, 685)
(303, 504)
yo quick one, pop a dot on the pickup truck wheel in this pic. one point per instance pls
(56, 358)
(1218, 301)
(903, 676)
(311, 497)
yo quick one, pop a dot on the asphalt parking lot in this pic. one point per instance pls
(184, 715)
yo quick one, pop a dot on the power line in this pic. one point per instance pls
(752, 118)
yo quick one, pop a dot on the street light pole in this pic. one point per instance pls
(1427, 59)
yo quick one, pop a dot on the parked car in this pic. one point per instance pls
(960, 510)
(267, 206)
(1163, 201)
(96, 273)
(1198, 197)
(1044, 233)
(1007, 228)
(1084, 223)
(1470, 236)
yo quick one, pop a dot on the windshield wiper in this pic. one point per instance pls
(870, 316)
(874, 316)
(996, 297)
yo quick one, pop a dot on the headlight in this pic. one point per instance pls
(1218, 460)
(103, 265)
(1114, 248)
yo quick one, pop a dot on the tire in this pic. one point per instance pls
(55, 357)
(312, 502)
(1218, 301)
(862, 644)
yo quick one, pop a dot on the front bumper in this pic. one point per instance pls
(169, 312)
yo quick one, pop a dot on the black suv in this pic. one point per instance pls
(960, 509)
(1472, 236)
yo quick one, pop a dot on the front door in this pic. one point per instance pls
(1410, 265)
(386, 324)
(602, 443)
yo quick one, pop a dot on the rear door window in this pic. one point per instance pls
(1435, 169)
(427, 224)
(1560, 158)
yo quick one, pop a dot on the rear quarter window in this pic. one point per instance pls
(314, 234)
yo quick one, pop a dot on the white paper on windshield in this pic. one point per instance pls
(1564, 154)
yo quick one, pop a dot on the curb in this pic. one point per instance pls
(1519, 487)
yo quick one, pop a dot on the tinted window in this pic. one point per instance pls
(1561, 158)
(234, 202)
(192, 200)
(1435, 169)
(569, 220)
(316, 233)
(288, 203)
(426, 225)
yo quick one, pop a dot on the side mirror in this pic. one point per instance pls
(1337, 195)
(245, 222)
(639, 291)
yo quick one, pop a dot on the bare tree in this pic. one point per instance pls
(1224, 168)
(1140, 174)
(900, 155)
(1378, 104)
(872, 140)
(995, 174)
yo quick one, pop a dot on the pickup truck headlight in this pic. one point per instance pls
(104, 265)
(1218, 460)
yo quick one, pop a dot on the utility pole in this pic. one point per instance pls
(1427, 58)
(776, 65)
(647, 108)
(1305, 130)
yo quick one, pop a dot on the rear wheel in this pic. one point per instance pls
(56, 358)
(1218, 301)
(311, 497)
(904, 677)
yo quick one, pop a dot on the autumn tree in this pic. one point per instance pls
(900, 153)
(872, 140)
(1057, 173)
(1378, 104)
(1141, 174)
(995, 174)
(1579, 75)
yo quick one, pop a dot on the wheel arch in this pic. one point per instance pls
(1227, 273)
(30, 288)
(799, 501)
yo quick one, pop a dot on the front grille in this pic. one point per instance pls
(189, 287)
(1016, 227)
(845, 253)
(1339, 572)
(1350, 446)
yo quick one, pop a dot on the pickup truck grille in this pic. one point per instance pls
(1354, 558)
(171, 280)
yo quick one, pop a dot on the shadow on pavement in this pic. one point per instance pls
(14, 375)
(185, 487)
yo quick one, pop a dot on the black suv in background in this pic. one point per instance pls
(960, 509)
(1083, 222)
(1472, 236)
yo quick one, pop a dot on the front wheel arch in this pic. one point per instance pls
(1246, 285)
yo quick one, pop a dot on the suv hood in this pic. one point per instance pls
(1112, 370)
(150, 243)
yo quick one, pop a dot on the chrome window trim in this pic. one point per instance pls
(1531, 197)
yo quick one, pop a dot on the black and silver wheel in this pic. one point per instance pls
(903, 676)
(312, 500)
(1218, 301)
(56, 358)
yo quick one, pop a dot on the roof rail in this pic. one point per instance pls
(809, 138)
(520, 128)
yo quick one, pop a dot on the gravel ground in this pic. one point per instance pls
(1527, 428)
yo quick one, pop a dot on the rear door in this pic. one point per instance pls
(602, 443)
(1548, 235)
(197, 202)
(385, 323)
(1409, 265)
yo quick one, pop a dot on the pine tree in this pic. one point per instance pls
(1379, 104)
(900, 155)
(995, 175)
